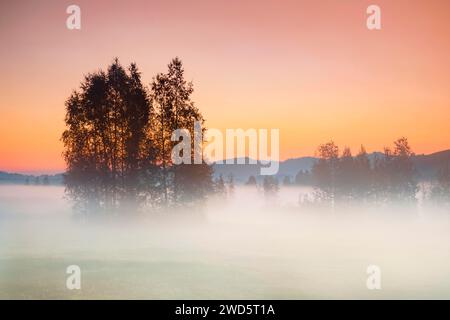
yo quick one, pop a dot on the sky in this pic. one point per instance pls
(310, 68)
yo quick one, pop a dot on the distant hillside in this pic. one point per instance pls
(289, 168)
(427, 168)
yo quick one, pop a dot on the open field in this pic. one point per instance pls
(240, 250)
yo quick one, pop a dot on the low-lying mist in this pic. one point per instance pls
(241, 247)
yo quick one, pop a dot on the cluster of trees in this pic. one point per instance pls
(340, 177)
(440, 189)
(118, 141)
(270, 185)
(37, 180)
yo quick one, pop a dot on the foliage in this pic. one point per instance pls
(118, 141)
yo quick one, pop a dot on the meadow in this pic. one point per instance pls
(238, 248)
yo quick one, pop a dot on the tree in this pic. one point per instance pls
(394, 174)
(345, 176)
(324, 172)
(174, 109)
(270, 186)
(363, 176)
(106, 130)
(403, 186)
(380, 178)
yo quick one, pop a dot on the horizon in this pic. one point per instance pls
(56, 172)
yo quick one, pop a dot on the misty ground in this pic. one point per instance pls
(242, 248)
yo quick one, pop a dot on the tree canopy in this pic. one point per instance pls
(118, 141)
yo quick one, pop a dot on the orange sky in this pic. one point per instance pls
(310, 68)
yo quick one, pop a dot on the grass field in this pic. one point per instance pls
(233, 252)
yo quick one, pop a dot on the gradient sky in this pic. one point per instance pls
(310, 68)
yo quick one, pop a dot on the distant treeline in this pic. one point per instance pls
(342, 177)
(44, 179)
(391, 177)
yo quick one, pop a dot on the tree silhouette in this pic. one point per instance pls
(324, 172)
(106, 129)
(345, 177)
(270, 186)
(404, 172)
(171, 96)
(118, 141)
(396, 174)
(363, 178)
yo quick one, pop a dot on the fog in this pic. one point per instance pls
(243, 247)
